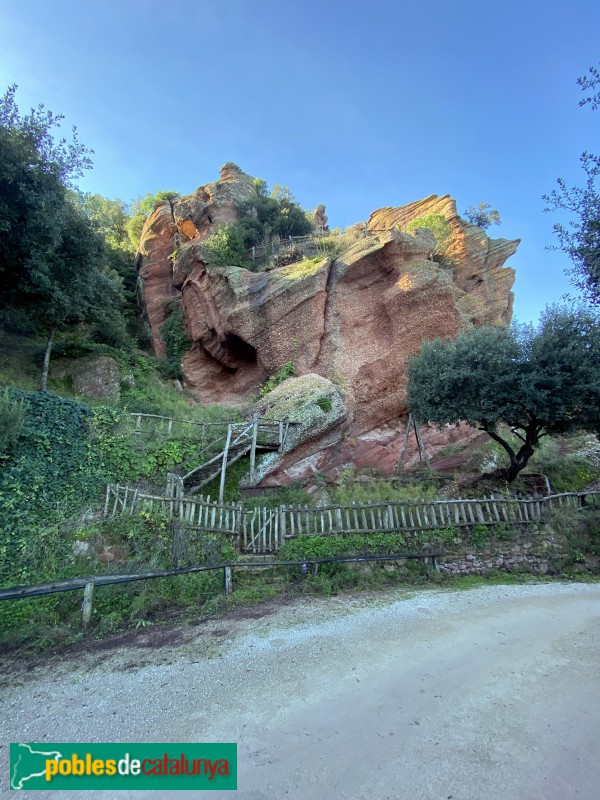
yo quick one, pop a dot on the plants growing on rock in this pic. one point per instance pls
(438, 225)
(287, 371)
(483, 215)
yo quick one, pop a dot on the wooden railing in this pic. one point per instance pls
(263, 530)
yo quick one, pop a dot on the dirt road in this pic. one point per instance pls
(488, 694)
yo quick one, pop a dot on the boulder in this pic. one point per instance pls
(93, 376)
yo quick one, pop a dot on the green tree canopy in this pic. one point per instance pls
(110, 218)
(539, 381)
(268, 215)
(51, 257)
(483, 215)
(579, 237)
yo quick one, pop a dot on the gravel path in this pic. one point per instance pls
(485, 694)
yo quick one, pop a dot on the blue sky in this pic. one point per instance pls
(357, 105)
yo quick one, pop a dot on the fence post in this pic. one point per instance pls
(86, 606)
(227, 581)
(239, 528)
(282, 530)
(253, 448)
(224, 464)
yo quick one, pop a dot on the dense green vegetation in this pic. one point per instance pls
(483, 215)
(46, 236)
(268, 215)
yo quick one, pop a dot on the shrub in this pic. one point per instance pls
(287, 371)
(13, 410)
(175, 335)
(226, 247)
(324, 404)
(438, 225)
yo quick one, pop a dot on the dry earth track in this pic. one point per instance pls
(488, 694)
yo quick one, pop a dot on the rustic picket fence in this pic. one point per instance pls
(263, 530)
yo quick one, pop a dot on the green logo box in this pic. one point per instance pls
(123, 766)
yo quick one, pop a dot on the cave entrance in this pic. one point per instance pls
(241, 354)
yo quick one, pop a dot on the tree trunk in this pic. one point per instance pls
(519, 460)
(46, 364)
(517, 464)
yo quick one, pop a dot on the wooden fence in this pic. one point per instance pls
(170, 426)
(89, 583)
(263, 530)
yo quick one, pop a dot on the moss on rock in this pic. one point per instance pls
(310, 400)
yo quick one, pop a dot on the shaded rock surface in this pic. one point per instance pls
(93, 376)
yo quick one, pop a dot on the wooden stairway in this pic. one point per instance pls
(241, 438)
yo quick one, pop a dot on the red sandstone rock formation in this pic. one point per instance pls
(355, 319)
(176, 222)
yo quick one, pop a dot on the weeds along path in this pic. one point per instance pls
(491, 692)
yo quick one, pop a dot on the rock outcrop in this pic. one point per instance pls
(175, 222)
(354, 317)
(92, 376)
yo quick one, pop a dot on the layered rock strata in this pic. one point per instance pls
(354, 318)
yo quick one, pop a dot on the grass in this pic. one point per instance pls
(20, 366)
(302, 269)
(371, 489)
(54, 622)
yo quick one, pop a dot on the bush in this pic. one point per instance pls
(324, 404)
(287, 371)
(438, 225)
(226, 247)
(13, 410)
(175, 335)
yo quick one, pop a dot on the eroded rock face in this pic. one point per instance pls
(175, 222)
(354, 319)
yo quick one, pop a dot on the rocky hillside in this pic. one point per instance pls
(353, 316)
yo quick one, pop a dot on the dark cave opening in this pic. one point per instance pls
(240, 351)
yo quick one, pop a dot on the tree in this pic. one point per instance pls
(538, 381)
(579, 238)
(590, 81)
(274, 214)
(225, 247)
(110, 219)
(77, 287)
(50, 255)
(483, 215)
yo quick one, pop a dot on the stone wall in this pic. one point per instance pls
(539, 551)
